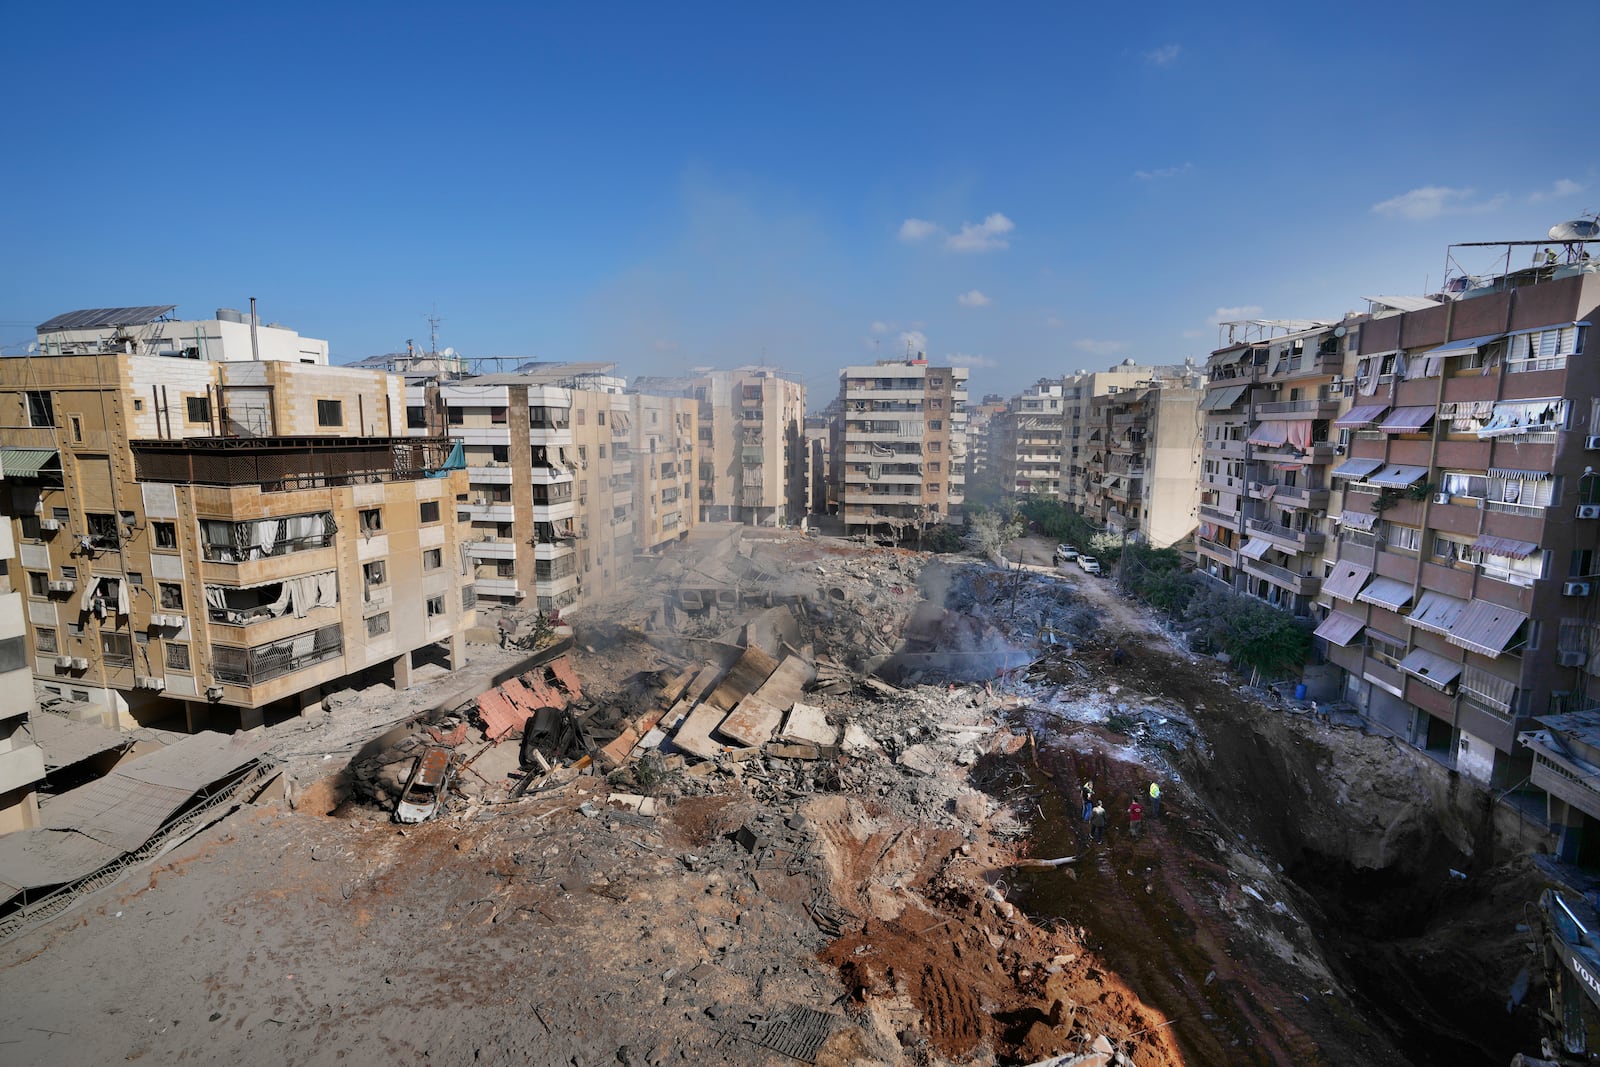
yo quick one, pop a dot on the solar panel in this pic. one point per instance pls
(95, 318)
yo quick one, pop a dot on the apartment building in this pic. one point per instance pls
(752, 447)
(980, 434)
(1024, 440)
(819, 458)
(213, 542)
(1077, 391)
(1462, 598)
(1271, 440)
(900, 446)
(664, 449)
(21, 760)
(1143, 460)
(230, 337)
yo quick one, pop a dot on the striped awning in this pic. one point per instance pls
(1431, 667)
(1346, 580)
(1388, 593)
(27, 462)
(1356, 468)
(1486, 627)
(1504, 546)
(1437, 612)
(1396, 477)
(1339, 629)
(1268, 434)
(1219, 399)
(1255, 548)
(1464, 347)
(1408, 420)
(1362, 415)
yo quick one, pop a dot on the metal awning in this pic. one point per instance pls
(1255, 548)
(1356, 468)
(1346, 580)
(1464, 347)
(1223, 359)
(1431, 667)
(1358, 520)
(1437, 612)
(1486, 627)
(1363, 415)
(1218, 399)
(1408, 420)
(1339, 629)
(1388, 593)
(1504, 546)
(1403, 303)
(1395, 477)
(27, 462)
(1269, 434)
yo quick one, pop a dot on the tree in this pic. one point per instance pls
(993, 533)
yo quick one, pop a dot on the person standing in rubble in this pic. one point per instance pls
(1087, 789)
(1097, 823)
(505, 631)
(1155, 800)
(1135, 818)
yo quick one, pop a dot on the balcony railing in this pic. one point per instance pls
(285, 464)
(255, 666)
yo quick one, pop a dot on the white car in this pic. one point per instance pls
(1089, 564)
(1066, 553)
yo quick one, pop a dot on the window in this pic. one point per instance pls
(933, 488)
(600, 418)
(375, 573)
(505, 568)
(177, 657)
(497, 416)
(38, 584)
(933, 467)
(1385, 649)
(583, 454)
(469, 597)
(45, 639)
(1582, 565)
(432, 559)
(164, 534)
(935, 424)
(32, 531)
(102, 530)
(378, 625)
(370, 521)
(456, 416)
(77, 427)
(1405, 538)
(416, 417)
(435, 606)
(580, 416)
(80, 695)
(170, 595)
(197, 409)
(116, 649)
(935, 446)
(40, 411)
(136, 578)
(69, 572)
(500, 453)
(330, 413)
(429, 511)
(602, 451)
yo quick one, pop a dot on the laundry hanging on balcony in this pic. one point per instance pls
(1513, 417)
(455, 461)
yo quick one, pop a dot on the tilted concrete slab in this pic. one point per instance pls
(745, 677)
(808, 723)
(694, 736)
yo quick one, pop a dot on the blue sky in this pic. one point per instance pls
(1029, 188)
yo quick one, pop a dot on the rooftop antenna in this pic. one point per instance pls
(433, 331)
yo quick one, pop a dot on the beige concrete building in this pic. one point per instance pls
(900, 447)
(1025, 439)
(1143, 459)
(664, 452)
(752, 465)
(212, 543)
(21, 760)
(1077, 391)
(230, 337)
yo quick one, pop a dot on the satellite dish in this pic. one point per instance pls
(1576, 230)
(1338, 331)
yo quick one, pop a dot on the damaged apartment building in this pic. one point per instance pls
(211, 524)
(900, 446)
(1420, 482)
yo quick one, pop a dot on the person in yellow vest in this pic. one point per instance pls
(1155, 800)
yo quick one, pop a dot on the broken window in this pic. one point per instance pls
(369, 521)
(243, 605)
(223, 541)
(164, 534)
(435, 606)
(378, 625)
(428, 510)
(102, 530)
(432, 559)
(170, 595)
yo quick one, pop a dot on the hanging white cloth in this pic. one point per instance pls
(91, 589)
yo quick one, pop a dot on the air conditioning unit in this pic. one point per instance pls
(1572, 658)
(145, 681)
(79, 663)
(1337, 382)
(55, 524)
(1576, 588)
(64, 662)
(1591, 443)
(63, 585)
(174, 622)
(1589, 511)
(1441, 498)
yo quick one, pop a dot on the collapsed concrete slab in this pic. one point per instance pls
(745, 677)
(807, 724)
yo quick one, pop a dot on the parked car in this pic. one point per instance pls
(1066, 553)
(1089, 564)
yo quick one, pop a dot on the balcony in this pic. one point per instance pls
(1298, 409)
(1221, 447)
(1303, 584)
(1217, 551)
(1292, 496)
(263, 663)
(1217, 515)
(287, 464)
(1286, 538)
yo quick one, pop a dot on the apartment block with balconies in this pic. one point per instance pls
(665, 456)
(900, 449)
(1462, 600)
(21, 760)
(1078, 390)
(217, 541)
(1025, 440)
(753, 458)
(1143, 452)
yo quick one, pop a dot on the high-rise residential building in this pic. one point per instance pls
(215, 541)
(1024, 440)
(1143, 449)
(664, 449)
(1271, 441)
(900, 446)
(21, 760)
(1077, 391)
(752, 450)
(980, 432)
(819, 440)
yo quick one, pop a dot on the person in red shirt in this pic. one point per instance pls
(1135, 818)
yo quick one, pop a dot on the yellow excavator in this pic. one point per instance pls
(1568, 950)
